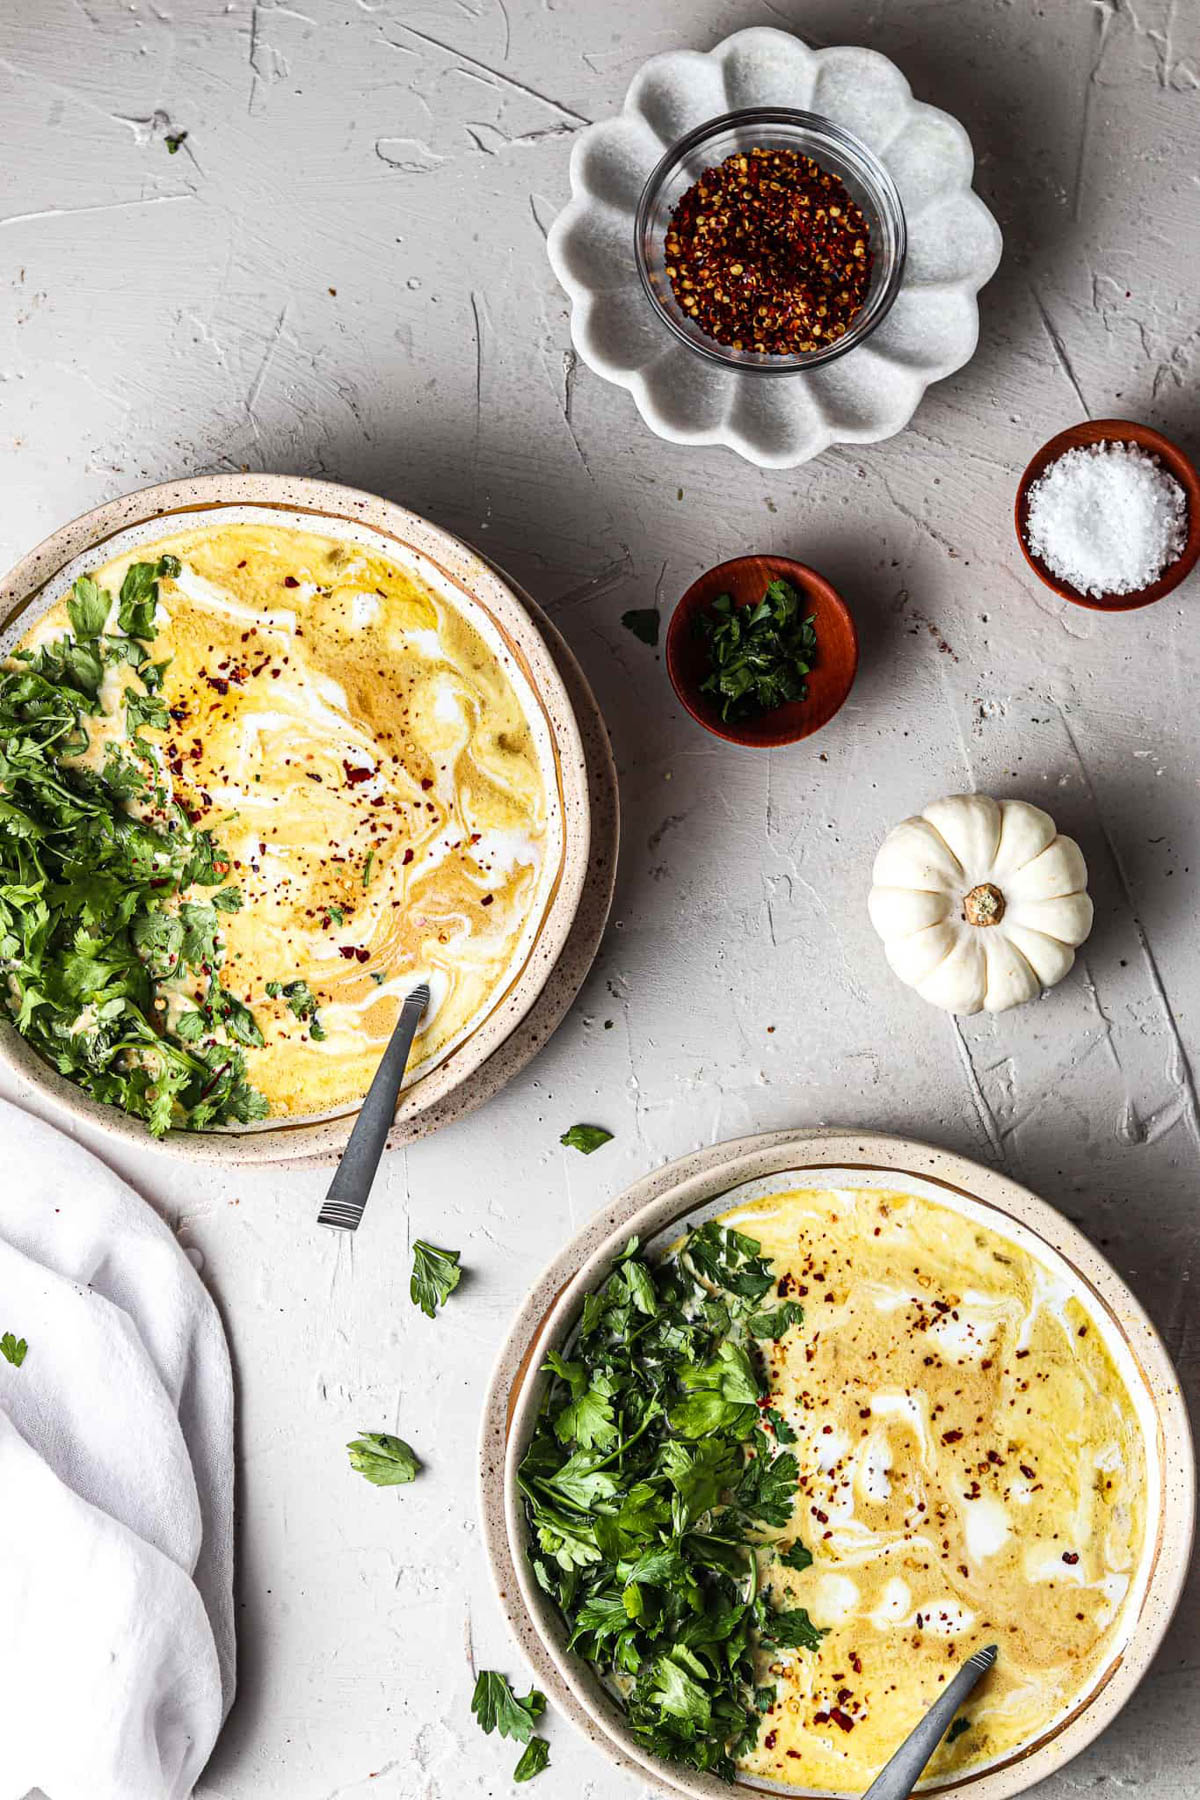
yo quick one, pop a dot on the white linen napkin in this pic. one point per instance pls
(116, 1487)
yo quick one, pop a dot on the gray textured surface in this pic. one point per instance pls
(162, 314)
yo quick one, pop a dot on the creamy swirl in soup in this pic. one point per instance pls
(363, 759)
(972, 1470)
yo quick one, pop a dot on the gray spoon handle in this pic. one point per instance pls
(897, 1779)
(351, 1186)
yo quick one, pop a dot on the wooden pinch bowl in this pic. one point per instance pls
(745, 578)
(1173, 460)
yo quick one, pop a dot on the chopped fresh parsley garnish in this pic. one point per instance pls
(651, 1493)
(792, 1630)
(497, 1708)
(302, 1001)
(961, 1724)
(773, 1322)
(779, 1425)
(435, 1276)
(13, 1349)
(585, 1137)
(534, 1758)
(173, 140)
(644, 622)
(368, 863)
(94, 867)
(758, 654)
(797, 1556)
(386, 1461)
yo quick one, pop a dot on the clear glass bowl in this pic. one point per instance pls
(771, 128)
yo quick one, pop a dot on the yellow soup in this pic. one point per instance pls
(363, 760)
(971, 1472)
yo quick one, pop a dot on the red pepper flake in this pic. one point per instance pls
(354, 776)
(768, 252)
(770, 1740)
(1071, 1556)
(487, 900)
(426, 784)
(290, 581)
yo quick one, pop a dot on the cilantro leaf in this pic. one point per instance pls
(779, 1425)
(767, 1490)
(793, 1630)
(775, 1321)
(534, 1758)
(13, 1349)
(585, 1138)
(497, 1708)
(145, 709)
(87, 609)
(384, 1460)
(435, 1276)
(139, 596)
(199, 924)
(302, 1001)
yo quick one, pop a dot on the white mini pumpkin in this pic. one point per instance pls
(980, 903)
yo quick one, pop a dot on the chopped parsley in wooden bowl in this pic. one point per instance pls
(762, 650)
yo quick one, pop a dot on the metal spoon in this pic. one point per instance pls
(350, 1188)
(898, 1777)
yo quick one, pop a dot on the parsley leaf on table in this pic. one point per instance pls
(384, 1460)
(758, 654)
(585, 1138)
(13, 1349)
(534, 1758)
(644, 622)
(435, 1276)
(497, 1708)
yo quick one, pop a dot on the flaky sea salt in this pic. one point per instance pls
(1106, 519)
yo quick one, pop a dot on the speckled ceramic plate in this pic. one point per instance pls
(574, 751)
(870, 393)
(686, 1192)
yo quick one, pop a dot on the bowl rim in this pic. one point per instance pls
(684, 1186)
(484, 588)
(813, 583)
(864, 323)
(1177, 463)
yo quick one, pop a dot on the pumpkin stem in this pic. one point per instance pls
(984, 905)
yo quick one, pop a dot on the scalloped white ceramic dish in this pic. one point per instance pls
(872, 391)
